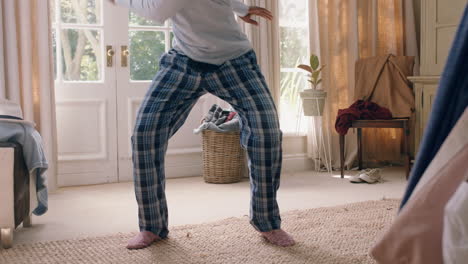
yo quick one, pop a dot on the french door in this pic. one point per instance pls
(105, 60)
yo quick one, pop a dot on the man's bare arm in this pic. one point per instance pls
(245, 12)
(257, 11)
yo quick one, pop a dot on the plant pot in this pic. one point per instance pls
(313, 102)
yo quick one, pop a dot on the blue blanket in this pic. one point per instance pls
(34, 156)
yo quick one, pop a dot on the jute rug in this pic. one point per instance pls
(342, 234)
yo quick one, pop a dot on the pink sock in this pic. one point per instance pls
(279, 237)
(142, 240)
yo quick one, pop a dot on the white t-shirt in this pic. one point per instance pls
(204, 30)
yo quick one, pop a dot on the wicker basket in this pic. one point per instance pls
(223, 157)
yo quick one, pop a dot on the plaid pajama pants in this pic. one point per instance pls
(174, 91)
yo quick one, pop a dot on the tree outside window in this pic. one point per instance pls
(77, 32)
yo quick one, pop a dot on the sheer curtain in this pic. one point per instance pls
(26, 68)
(354, 29)
(265, 40)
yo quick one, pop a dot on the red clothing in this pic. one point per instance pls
(231, 116)
(360, 110)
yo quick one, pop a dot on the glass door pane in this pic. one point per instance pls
(136, 20)
(148, 41)
(81, 11)
(78, 46)
(146, 47)
(81, 54)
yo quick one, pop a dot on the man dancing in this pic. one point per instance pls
(211, 55)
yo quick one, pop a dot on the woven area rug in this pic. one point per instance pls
(342, 234)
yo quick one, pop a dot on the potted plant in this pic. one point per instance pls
(313, 100)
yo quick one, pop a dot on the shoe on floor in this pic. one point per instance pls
(370, 175)
(356, 179)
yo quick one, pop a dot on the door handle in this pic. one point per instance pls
(110, 55)
(124, 56)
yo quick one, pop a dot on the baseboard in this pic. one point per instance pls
(188, 162)
(291, 163)
(297, 163)
(191, 170)
(79, 179)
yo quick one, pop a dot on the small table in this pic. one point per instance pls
(402, 123)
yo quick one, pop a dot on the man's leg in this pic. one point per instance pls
(241, 83)
(167, 104)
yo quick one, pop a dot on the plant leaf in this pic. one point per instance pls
(291, 85)
(321, 68)
(314, 62)
(319, 81)
(315, 75)
(306, 68)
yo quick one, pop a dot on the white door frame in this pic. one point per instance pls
(87, 109)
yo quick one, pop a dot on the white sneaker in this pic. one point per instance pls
(370, 175)
(356, 179)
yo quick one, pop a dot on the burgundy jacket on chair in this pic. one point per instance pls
(359, 110)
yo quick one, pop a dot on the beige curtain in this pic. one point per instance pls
(26, 68)
(354, 29)
(265, 40)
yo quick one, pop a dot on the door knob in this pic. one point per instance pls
(110, 56)
(124, 55)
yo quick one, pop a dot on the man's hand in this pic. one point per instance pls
(257, 11)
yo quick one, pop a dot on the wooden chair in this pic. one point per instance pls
(402, 123)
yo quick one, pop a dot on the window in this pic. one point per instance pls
(148, 41)
(294, 50)
(77, 39)
(78, 31)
